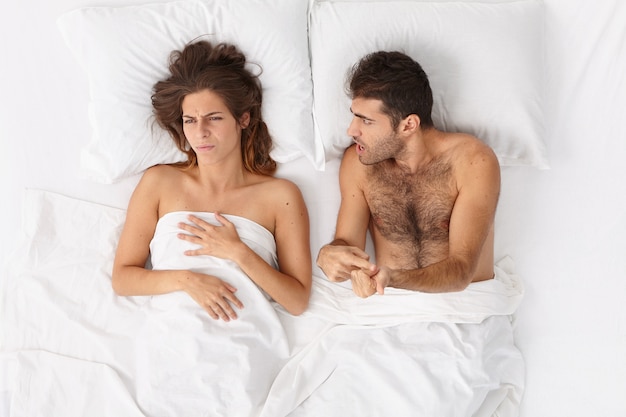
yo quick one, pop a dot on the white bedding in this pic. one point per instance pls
(165, 354)
(65, 333)
(409, 369)
(407, 354)
(564, 227)
(189, 364)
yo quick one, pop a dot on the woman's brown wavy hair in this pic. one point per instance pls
(221, 69)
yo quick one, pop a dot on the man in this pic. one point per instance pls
(428, 197)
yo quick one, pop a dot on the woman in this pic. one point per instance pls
(211, 106)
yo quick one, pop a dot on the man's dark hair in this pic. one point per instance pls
(398, 81)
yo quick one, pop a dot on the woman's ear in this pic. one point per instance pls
(244, 121)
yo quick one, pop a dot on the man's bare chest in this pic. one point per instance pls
(412, 211)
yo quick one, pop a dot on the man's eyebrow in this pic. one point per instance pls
(360, 116)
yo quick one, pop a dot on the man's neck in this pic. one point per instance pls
(418, 153)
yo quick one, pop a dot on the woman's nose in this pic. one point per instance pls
(203, 128)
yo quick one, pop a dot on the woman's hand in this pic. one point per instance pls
(214, 295)
(220, 241)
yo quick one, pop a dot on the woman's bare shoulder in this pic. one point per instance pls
(163, 172)
(280, 187)
(164, 169)
(158, 181)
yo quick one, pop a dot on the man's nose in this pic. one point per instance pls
(352, 130)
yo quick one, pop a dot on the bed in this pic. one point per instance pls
(541, 81)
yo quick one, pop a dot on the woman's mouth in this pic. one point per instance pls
(205, 148)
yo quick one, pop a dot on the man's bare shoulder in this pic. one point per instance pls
(475, 163)
(470, 152)
(350, 161)
(352, 173)
(350, 156)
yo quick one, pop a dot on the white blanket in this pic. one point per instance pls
(188, 361)
(407, 354)
(157, 356)
(71, 347)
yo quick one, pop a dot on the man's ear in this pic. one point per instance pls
(244, 121)
(410, 124)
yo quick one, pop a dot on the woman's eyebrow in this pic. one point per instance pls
(213, 113)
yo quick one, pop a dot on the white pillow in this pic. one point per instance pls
(125, 50)
(484, 60)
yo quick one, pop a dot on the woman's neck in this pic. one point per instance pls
(221, 177)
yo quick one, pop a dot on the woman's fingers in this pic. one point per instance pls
(222, 306)
(222, 311)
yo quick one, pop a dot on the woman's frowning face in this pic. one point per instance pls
(209, 127)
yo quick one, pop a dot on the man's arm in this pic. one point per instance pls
(471, 221)
(346, 252)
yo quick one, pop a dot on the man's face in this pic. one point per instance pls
(372, 132)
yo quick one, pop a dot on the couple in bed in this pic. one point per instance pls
(427, 197)
(222, 230)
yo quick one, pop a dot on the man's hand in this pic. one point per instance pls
(338, 261)
(363, 284)
(369, 282)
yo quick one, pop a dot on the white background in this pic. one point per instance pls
(564, 227)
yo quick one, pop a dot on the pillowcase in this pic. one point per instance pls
(125, 50)
(484, 60)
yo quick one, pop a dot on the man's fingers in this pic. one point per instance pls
(363, 264)
(362, 284)
(360, 253)
(380, 289)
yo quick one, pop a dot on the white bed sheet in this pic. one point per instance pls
(564, 227)
(64, 331)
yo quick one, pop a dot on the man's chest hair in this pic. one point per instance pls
(412, 210)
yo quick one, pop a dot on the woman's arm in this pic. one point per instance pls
(130, 277)
(292, 289)
(129, 274)
(290, 285)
